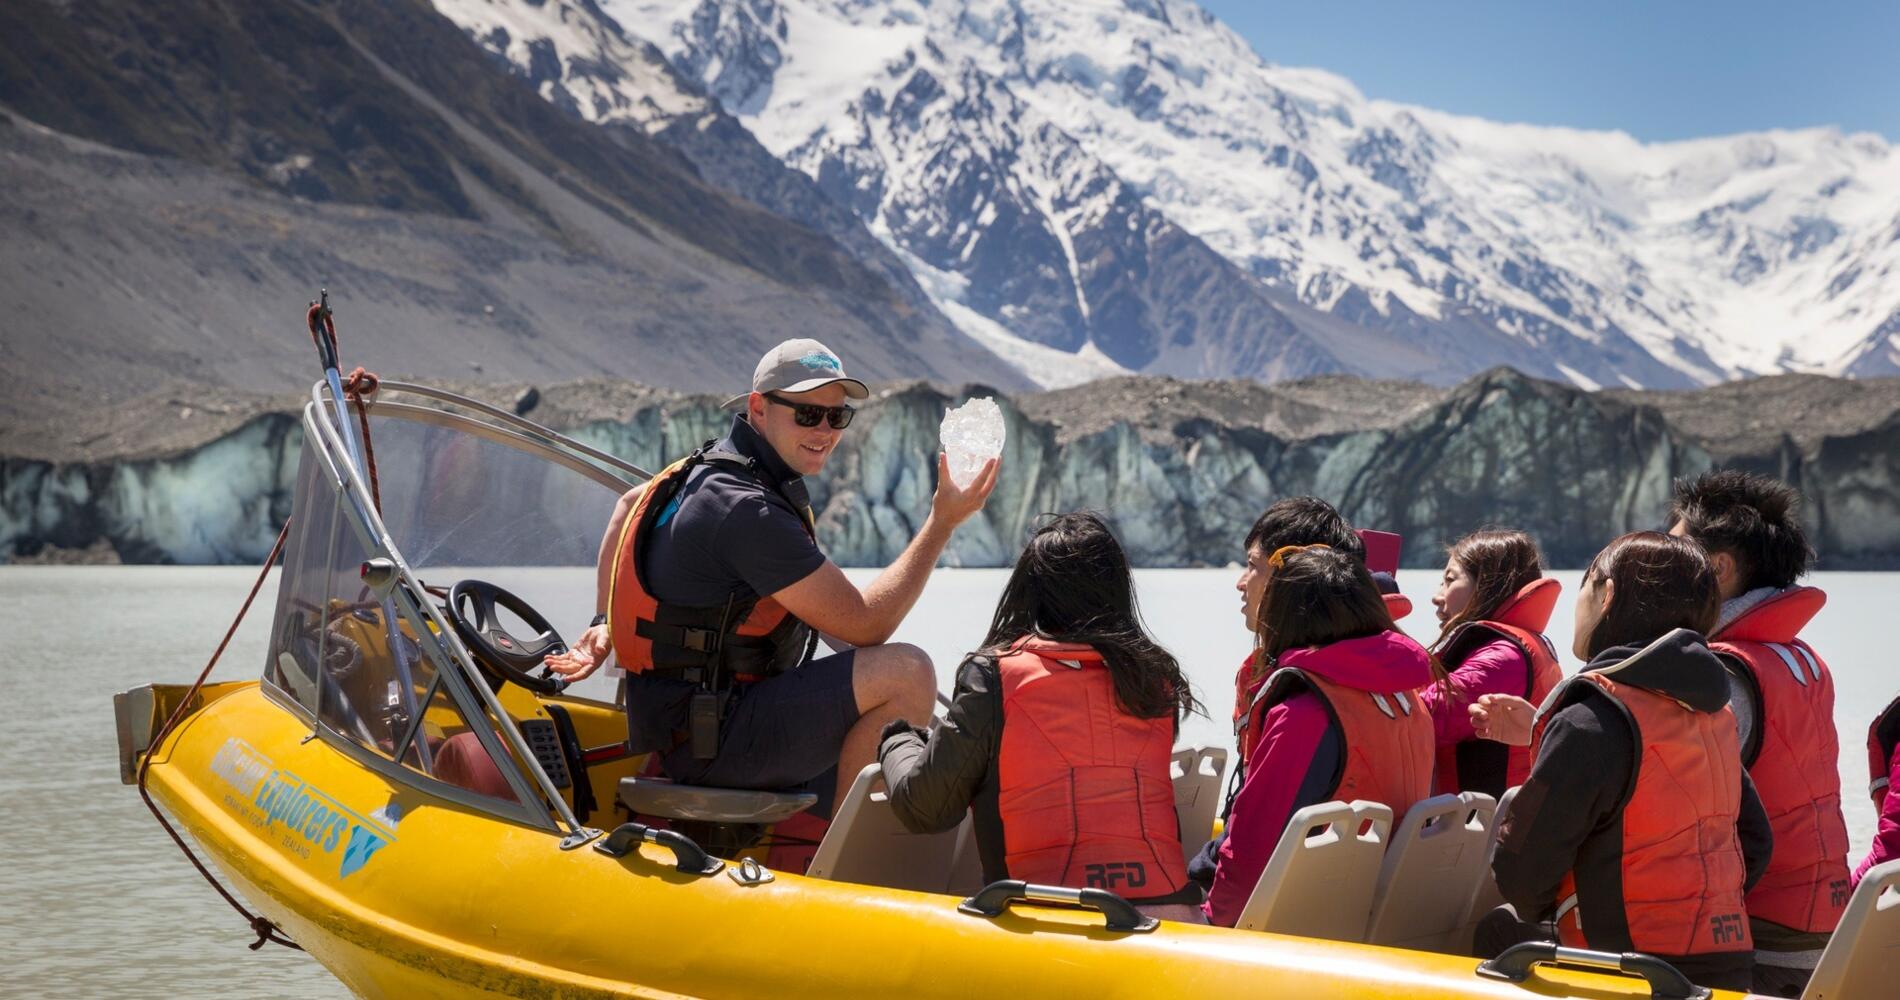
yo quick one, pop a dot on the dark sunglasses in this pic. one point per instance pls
(808, 414)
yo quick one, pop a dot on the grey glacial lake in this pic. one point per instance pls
(98, 901)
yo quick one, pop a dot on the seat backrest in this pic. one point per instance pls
(1430, 870)
(1320, 880)
(1484, 890)
(867, 844)
(1863, 957)
(1197, 773)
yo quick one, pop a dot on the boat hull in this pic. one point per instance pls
(404, 894)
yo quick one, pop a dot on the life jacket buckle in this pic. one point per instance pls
(699, 640)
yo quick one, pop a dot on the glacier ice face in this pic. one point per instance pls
(972, 434)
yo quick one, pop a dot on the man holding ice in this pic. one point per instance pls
(712, 585)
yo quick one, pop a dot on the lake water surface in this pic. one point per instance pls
(98, 902)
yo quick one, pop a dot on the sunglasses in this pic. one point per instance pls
(808, 414)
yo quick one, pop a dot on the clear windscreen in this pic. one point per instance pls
(468, 503)
(457, 505)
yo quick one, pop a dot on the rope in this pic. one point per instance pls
(357, 388)
(261, 926)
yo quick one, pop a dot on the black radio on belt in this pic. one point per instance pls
(702, 723)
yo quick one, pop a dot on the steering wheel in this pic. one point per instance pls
(503, 657)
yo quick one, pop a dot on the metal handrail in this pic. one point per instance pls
(521, 423)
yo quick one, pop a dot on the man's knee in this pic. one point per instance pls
(898, 669)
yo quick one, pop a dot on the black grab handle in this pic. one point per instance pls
(993, 899)
(689, 857)
(1666, 982)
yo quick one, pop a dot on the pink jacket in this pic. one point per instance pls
(1294, 762)
(1887, 834)
(1497, 667)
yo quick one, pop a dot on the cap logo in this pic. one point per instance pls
(820, 361)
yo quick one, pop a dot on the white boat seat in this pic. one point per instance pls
(868, 845)
(1197, 773)
(1429, 871)
(1484, 892)
(1863, 957)
(662, 798)
(1320, 880)
(966, 865)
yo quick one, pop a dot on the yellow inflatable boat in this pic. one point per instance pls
(405, 798)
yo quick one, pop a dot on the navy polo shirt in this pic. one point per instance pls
(725, 536)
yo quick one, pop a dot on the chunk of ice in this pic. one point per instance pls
(972, 434)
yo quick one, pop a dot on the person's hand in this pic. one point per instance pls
(1505, 718)
(955, 504)
(585, 657)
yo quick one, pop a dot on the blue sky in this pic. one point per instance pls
(1666, 69)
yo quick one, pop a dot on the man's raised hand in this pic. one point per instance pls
(955, 504)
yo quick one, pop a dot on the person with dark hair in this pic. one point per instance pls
(1638, 829)
(1059, 733)
(1292, 521)
(1493, 604)
(1333, 712)
(1783, 696)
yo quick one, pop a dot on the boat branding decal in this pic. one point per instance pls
(306, 818)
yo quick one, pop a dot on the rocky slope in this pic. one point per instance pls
(1181, 468)
(176, 180)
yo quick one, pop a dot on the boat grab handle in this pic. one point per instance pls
(1666, 982)
(993, 899)
(688, 856)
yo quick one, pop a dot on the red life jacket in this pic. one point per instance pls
(1396, 605)
(1388, 736)
(1474, 765)
(745, 643)
(1796, 766)
(1681, 859)
(1883, 737)
(1083, 787)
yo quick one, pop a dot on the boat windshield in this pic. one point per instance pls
(460, 498)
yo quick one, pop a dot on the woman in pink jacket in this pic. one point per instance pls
(1493, 604)
(1333, 712)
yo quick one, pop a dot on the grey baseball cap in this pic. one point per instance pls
(801, 365)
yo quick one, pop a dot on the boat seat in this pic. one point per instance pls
(966, 864)
(1863, 957)
(868, 845)
(1320, 880)
(1429, 871)
(1484, 892)
(666, 800)
(1197, 773)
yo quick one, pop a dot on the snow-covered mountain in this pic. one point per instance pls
(1126, 184)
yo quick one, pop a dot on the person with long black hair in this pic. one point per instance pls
(1059, 733)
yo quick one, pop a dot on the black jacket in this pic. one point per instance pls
(1568, 814)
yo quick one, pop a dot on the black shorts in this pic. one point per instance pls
(780, 734)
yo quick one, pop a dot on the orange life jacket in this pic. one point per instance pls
(1396, 605)
(1083, 788)
(1388, 737)
(1796, 768)
(1883, 736)
(1681, 860)
(1474, 764)
(706, 645)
